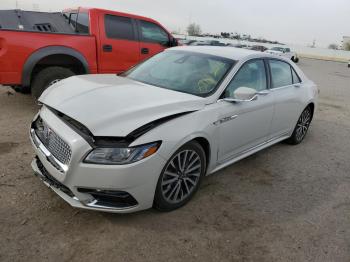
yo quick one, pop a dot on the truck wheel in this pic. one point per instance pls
(48, 77)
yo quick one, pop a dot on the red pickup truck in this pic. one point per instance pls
(38, 49)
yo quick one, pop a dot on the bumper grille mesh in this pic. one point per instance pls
(55, 144)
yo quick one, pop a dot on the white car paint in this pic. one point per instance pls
(284, 52)
(109, 105)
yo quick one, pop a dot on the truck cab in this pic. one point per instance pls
(38, 49)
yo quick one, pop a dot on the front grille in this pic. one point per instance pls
(54, 144)
(45, 175)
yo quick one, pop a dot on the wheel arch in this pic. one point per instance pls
(51, 52)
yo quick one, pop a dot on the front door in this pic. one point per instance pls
(119, 48)
(153, 39)
(244, 125)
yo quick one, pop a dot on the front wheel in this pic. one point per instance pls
(48, 77)
(180, 177)
(302, 127)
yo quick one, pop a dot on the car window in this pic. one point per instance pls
(119, 27)
(252, 75)
(82, 25)
(287, 50)
(182, 71)
(281, 73)
(296, 78)
(153, 33)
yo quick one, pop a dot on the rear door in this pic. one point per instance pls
(287, 90)
(119, 45)
(153, 39)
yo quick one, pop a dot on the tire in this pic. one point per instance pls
(47, 77)
(301, 127)
(295, 60)
(175, 187)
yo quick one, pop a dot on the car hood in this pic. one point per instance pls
(115, 106)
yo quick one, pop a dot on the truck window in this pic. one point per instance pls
(119, 27)
(79, 21)
(153, 33)
(82, 24)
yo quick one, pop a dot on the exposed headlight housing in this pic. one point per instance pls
(122, 155)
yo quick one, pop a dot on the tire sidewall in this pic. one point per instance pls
(46, 76)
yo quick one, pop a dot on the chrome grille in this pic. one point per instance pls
(53, 142)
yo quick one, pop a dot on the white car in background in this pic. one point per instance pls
(148, 137)
(285, 52)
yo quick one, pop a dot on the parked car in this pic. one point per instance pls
(238, 45)
(186, 41)
(149, 136)
(38, 49)
(285, 52)
(208, 43)
(258, 48)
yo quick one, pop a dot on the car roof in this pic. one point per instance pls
(223, 51)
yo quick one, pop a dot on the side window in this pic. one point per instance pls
(252, 75)
(82, 25)
(153, 33)
(296, 78)
(119, 27)
(288, 50)
(281, 73)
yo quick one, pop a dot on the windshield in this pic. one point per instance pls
(187, 72)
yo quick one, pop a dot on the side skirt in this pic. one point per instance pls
(249, 152)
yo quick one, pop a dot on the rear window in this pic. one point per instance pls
(79, 21)
(119, 27)
(82, 24)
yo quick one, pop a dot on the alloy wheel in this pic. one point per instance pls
(303, 124)
(181, 176)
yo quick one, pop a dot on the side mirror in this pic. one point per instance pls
(243, 94)
(173, 42)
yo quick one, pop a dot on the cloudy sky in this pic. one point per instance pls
(293, 21)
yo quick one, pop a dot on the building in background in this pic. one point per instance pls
(345, 42)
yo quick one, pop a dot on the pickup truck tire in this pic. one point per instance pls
(47, 77)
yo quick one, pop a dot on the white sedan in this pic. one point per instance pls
(285, 52)
(148, 137)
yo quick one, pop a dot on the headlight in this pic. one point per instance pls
(121, 156)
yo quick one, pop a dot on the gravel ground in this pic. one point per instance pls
(286, 203)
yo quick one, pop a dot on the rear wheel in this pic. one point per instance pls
(295, 59)
(302, 127)
(48, 77)
(180, 177)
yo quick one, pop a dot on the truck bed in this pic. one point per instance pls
(34, 21)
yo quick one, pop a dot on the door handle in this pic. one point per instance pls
(107, 48)
(144, 51)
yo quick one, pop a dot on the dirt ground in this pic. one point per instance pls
(286, 203)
